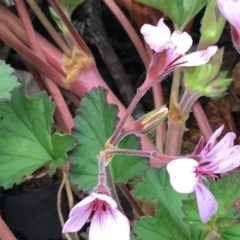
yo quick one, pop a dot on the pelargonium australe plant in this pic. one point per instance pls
(104, 151)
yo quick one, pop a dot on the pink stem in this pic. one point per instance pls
(148, 154)
(202, 121)
(5, 232)
(51, 30)
(174, 137)
(114, 139)
(158, 102)
(83, 81)
(70, 27)
(32, 58)
(63, 114)
(130, 30)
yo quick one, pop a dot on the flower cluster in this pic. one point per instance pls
(170, 52)
(187, 174)
(176, 44)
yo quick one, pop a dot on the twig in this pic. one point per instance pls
(100, 39)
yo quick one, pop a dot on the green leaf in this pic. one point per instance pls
(25, 139)
(226, 191)
(8, 81)
(161, 227)
(180, 11)
(156, 187)
(230, 233)
(94, 125)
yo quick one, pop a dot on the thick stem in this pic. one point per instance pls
(31, 57)
(13, 24)
(5, 232)
(174, 137)
(63, 115)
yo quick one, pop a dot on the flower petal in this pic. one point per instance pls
(211, 141)
(109, 225)
(157, 37)
(230, 10)
(207, 204)
(182, 172)
(196, 58)
(107, 199)
(182, 41)
(227, 160)
(224, 144)
(77, 218)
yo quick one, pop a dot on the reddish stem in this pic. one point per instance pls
(32, 58)
(130, 30)
(63, 115)
(202, 121)
(5, 232)
(174, 137)
(83, 82)
(70, 27)
(114, 139)
(54, 34)
(141, 153)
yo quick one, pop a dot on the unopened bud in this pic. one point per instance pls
(217, 87)
(148, 122)
(212, 24)
(195, 78)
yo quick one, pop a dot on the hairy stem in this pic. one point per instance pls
(174, 137)
(114, 139)
(141, 153)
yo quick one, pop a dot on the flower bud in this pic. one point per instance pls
(217, 86)
(148, 122)
(195, 78)
(212, 24)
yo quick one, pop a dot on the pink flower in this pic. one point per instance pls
(230, 10)
(176, 44)
(107, 222)
(187, 174)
